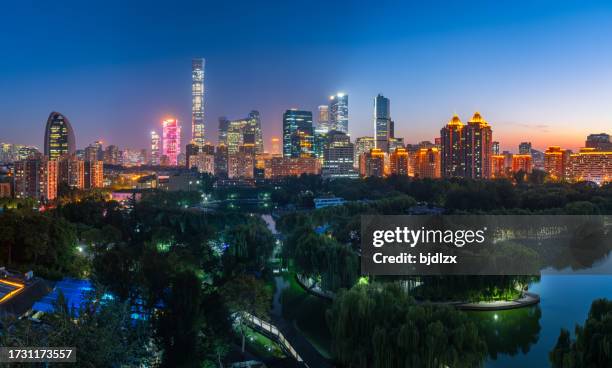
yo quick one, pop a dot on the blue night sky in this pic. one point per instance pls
(537, 70)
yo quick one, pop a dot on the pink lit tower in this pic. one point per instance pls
(171, 141)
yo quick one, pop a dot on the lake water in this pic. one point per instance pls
(565, 301)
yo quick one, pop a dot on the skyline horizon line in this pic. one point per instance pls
(267, 142)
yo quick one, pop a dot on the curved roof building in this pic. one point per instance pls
(59, 136)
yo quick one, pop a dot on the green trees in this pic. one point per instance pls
(32, 240)
(250, 246)
(378, 326)
(101, 330)
(593, 344)
(246, 294)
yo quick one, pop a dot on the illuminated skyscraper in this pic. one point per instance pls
(525, 148)
(59, 136)
(253, 128)
(453, 141)
(382, 122)
(171, 140)
(197, 101)
(362, 145)
(275, 145)
(496, 150)
(601, 142)
(323, 120)
(338, 156)
(338, 113)
(298, 135)
(155, 148)
(478, 148)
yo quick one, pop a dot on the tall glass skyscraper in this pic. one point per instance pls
(338, 112)
(59, 136)
(171, 141)
(155, 148)
(382, 122)
(197, 101)
(297, 134)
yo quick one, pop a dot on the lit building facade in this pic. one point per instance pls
(590, 164)
(338, 156)
(240, 165)
(478, 148)
(382, 122)
(323, 120)
(275, 145)
(221, 161)
(93, 174)
(428, 162)
(298, 135)
(398, 162)
(372, 163)
(452, 144)
(72, 172)
(171, 141)
(600, 142)
(339, 113)
(155, 148)
(499, 169)
(197, 101)
(294, 166)
(522, 162)
(556, 162)
(36, 178)
(59, 136)
(362, 145)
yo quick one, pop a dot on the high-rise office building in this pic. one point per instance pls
(112, 155)
(323, 119)
(524, 148)
(362, 145)
(478, 148)
(339, 113)
(221, 159)
(298, 137)
(453, 154)
(59, 136)
(155, 148)
(382, 122)
(253, 129)
(223, 127)
(171, 141)
(600, 142)
(495, 147)
(275, 145)
(197, 101)
(338, 156)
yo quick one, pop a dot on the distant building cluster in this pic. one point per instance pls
(310, 143)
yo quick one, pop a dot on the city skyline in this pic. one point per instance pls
(507, 63)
